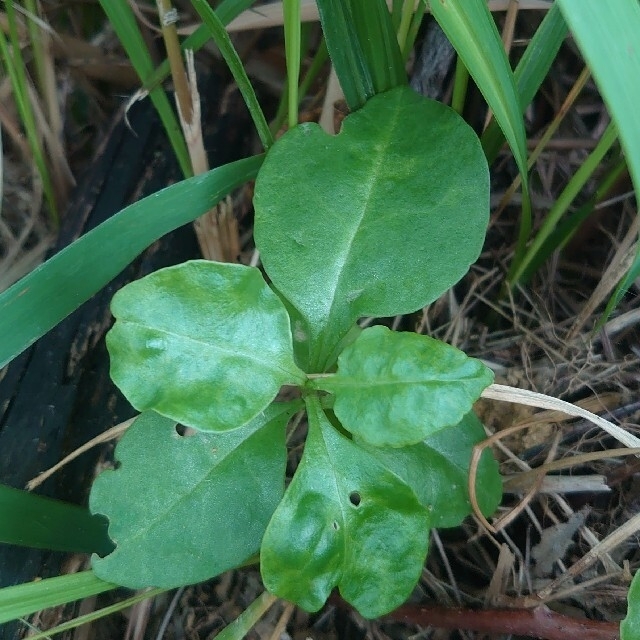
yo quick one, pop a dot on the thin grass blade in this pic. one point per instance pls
(221, 38)
(227, 10)
(53, 290)
(564, 200)
(471, 30)
(15, 66)
(25, 599)
(607, 34)
(74, 623)
(379, 43)
(530, 72)
(29, 520)
(346, 52)
(124, 23)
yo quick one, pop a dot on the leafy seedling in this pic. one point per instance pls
(378, 220)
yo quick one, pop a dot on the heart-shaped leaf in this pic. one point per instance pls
(204, 343)
(437, 469)
(405, 181)
(184, 509)
(395, 389)
(346, 520)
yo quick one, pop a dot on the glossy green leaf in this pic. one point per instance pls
(470, 28)
(630, 626)
(205, 343)
(25, 599)
(29, 520)
(607, 34)
(58, 287)
(348, 521)
(184, 509)
(387, 186)
(395, 389)
(437, 469)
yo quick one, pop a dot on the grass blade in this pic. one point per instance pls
(530, 72)
(53, 290)
(25, 599)
(29, 520)
(293, 48)
(607, 34)
(96, 615)
(379, 43)
(226, 11)
(231, 57)
(123, 21)
(346, 52)
(15, 67)
(473, 33)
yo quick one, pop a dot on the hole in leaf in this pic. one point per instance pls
(354, 498)
(335, 525)
(184, 432)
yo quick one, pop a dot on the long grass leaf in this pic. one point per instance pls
(346, 52)
(379, 43)
(471, 30)
(15, 66)
(530, 72)
(53, 290)
(124, 23)
(25, 599)
(231, 57)
(293, 48)
(29, 520)
(74, 623)
(564, 200)
(607, 34)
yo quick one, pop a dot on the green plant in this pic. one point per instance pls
(209, 346)
(378, 221)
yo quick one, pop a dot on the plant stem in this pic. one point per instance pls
(540, 622)
(292, 38)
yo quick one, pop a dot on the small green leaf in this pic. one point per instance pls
(204, 343)
(348, 521)
(395, 389)
(630, 626)
(184, 509)
(437, 469)
(387, 186)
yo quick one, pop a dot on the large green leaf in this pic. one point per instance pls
(205, 343)
(53, 290)
(184, 509)
(25, 599)
(395, 389)
(437, 469)
(630, 626)
(346, 520)
(607, 34)
(30, 520)
(378, 220)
